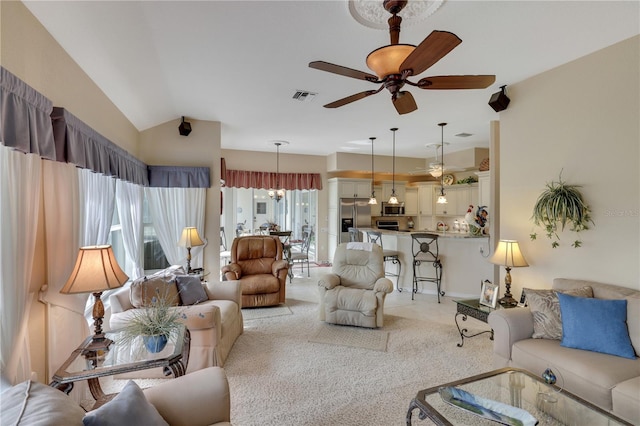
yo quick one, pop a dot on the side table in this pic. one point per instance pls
(121, 358)
(471, 308)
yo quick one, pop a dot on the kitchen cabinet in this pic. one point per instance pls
(425, 199)
(354, 188)
(459, 197)
(387, 187)
(411, 202)
(484, 189)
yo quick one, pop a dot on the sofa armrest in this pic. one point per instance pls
(227, 290)
(329, 281)
(232, 271)
(383, 285)
(120, 301)
(278, 266)
(200, 398)
(510, 326)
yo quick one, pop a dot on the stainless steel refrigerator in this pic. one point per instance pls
(356, 213)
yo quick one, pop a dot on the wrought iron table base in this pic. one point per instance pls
(463, 331)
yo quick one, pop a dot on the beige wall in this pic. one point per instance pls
(580, 119)
(164, 146)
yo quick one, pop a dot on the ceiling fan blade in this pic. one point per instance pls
(404, 103)
(431, 50)
(340, 70)
(447, 82)
(352, 98)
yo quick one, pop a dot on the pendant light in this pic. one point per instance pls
(372, 199)
(393, 199)
(278, 193)
(442, 199)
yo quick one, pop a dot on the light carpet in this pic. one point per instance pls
(249, 314)
(278, 377)
(354, 337)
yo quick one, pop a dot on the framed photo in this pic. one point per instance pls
(489, 294)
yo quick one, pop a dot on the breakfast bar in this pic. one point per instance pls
(463, 256)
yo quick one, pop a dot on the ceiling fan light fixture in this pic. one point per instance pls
(386, 60)
(436, 172)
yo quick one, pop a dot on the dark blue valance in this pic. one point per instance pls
(179, 177)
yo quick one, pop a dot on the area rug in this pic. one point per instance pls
(249, 314)
(354, 337)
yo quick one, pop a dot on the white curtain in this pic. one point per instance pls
(97, 200)
(129, 199)
(20, 175)
(173, 209)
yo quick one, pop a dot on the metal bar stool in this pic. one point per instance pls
(392, 256)
(354, 235)
(424, 247)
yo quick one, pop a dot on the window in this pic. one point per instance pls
(154, 257)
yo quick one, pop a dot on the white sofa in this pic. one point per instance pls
(608, 381)
(214, 324)
(198, 399)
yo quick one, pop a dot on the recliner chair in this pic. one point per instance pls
(354, 293)
(257, 263)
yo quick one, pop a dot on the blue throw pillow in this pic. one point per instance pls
(598, 325)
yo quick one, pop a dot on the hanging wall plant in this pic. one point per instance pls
(558, 205)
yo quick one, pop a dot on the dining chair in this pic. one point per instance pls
(303, 255)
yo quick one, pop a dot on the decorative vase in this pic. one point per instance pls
(155, 343)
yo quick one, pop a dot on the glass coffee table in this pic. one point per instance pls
(548, 404)
(122, 357)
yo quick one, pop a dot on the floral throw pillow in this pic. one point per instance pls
(545, 307)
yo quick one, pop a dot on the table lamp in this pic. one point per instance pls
(190, 238)
(508, 254)
(96, 270)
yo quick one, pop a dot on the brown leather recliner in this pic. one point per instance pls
(257, 263)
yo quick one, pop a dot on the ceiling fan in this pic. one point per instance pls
(437, 168)
(395, 63)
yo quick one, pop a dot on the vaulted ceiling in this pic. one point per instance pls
(240, 63)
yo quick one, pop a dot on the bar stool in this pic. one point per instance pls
(225, 255)
(354, 235)
(424, 247)
(392, 256)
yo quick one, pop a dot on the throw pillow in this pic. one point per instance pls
(34, 403)
(545, 308)
(129, 407)
(190, 289)
(598, 325)
(145, 289)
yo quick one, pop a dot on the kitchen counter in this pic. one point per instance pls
(464, 260)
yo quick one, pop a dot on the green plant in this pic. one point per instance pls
(160, 317)
(468, 180)
(558, 205)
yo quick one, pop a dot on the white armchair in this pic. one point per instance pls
(354, 292)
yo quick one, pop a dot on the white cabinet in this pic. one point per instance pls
(354, 188)
(459, 197)
(425, 199)
(411, 202)
(484, 189)
(387, 188)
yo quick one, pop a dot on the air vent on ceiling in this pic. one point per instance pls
(464, 135)
(304, 95)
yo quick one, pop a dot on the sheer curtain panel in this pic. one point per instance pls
(172, 209)
(129, 199)
(20, 177)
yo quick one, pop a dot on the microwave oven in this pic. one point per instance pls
(392, 209)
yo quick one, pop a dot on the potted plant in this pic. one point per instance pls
(154, 323)
(558, 205)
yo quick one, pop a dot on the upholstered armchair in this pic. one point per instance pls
(257, 263)
(354, 292)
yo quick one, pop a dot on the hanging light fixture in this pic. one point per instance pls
(372, 199)
(442, 199)
(278, 193)
(393, 199)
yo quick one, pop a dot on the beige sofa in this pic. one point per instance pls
(214, 324)
(608, 381)
(197, 399)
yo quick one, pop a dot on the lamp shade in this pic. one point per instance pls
(190, 238)
(96, 270)
(508, 254)
(387, 59)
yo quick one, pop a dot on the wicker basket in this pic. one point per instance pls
(484, 165)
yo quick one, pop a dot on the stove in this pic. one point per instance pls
(388, 225)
